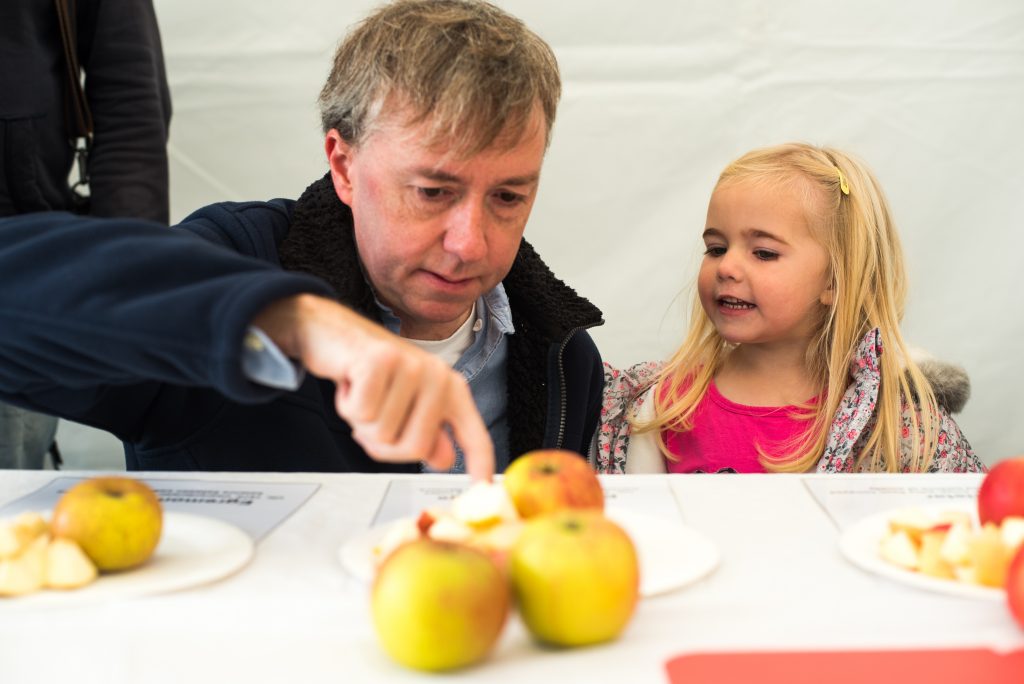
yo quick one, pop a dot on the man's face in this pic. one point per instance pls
(434, 232)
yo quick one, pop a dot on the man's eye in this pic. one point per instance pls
(715, 251)
(506, 197)
(432, 193)
(765, 254)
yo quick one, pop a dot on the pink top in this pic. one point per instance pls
(725, 435)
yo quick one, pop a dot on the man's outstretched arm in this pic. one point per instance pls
(88, 302)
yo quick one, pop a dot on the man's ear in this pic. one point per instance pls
(340, 157)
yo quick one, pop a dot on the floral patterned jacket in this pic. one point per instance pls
(851, 426)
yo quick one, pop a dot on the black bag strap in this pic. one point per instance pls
(77, 114)
(77, 117)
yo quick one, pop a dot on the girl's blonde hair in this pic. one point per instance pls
(850, 216)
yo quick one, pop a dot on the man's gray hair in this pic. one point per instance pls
(472, 69)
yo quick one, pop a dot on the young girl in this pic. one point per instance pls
(794, 359)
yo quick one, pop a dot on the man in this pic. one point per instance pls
(436, 115)
(117, 44)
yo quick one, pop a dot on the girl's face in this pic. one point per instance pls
(765, 278)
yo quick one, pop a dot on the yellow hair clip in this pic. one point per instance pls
(843, 185)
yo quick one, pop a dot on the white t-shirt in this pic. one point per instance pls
(450, 350)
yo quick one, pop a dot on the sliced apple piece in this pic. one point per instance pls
(965, 574)
(990, 557)
(32, 524)
(1012, 532)
(899, 549)
(499, 540)
(954, 549)
(25, 572)
(483, 504)
(448, 529)
(424, 522)
(17, 577)
(946, 519)
(11, 543)
(67, 566)
(400, 532)
(16, 534)
(931, 561)
(914, 522)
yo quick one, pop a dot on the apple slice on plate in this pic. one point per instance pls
(672, 555)
(932, 549)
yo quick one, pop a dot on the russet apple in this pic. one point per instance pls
(1002, 491)
(438, 605)
(550, 480)
(116, 520)
(1015, 587)
(575, 576)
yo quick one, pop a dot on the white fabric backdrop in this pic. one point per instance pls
(659, 95)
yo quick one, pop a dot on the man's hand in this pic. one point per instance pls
(397, 398)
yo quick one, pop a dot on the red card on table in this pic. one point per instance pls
(974, 666)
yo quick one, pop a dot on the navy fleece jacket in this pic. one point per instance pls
(137, 329)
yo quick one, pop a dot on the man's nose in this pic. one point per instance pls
(466, 233)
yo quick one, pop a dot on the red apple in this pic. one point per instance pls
(1002, 491)
(1015, 587)
(550, 480)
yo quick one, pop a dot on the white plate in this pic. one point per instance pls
(193, 550)
(671, 554)
(860, 543)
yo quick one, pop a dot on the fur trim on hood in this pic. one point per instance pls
(949, 381)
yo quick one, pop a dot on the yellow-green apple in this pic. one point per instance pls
(1015, 587)
(438, 605)
(550, 480)
(116, 520)
(1002, 491)
(575, 576)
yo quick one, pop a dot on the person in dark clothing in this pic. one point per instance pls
(118, 48)
(399, 281)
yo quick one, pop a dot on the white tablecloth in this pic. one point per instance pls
(294, 615)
